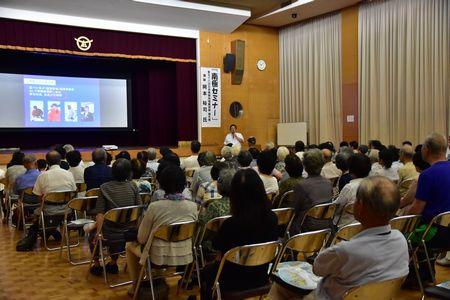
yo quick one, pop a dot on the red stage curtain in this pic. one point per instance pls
(51, 38)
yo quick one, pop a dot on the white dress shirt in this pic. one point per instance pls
(300, 155)
(54, 180)
(347, 195)
(330, 170)
(229, 139)
(390, 173)
(78, 173)
(374, 255)
(270, 183)
(190, 163)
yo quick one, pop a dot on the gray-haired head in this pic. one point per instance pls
(435, 146)
(379, 197)
(151, 153)
(406, 153)
(210, 158)
(29, 161)
(226, 152)
(346, 151)
(99, 156)
(374, 155)
(313, 162)
(224, 181)
(68, 148)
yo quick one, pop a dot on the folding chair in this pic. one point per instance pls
(93, 192)
(189, 176)
(247, 256)
(175, 232)
(443, 219)
(27, 196)
(307, 245)
(285, 217)
(81, 187)
(272, 197)
(53, 221)
(323, 212)
(286, 197)
(346, 232)
(79, 206)
(145, 198)
(211, 228)
(384, 290)
(120, 217)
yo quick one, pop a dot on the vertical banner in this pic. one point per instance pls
(211, 97)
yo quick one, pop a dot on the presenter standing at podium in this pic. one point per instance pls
(233, 137)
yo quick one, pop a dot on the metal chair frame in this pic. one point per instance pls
(146, 198)
(212, 225)
(248, 255)
(28, 191)
(285, 217)
(324, 211)
(347, 232)
(284, 197)
(371, 289)
(121, 215)
(61, 198)
(92, 192)
(175, 232)
(80, 205)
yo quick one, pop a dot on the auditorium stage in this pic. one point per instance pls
(182, 151)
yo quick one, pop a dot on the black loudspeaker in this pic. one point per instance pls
(228, 62)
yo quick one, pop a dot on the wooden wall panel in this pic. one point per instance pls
(259, 91)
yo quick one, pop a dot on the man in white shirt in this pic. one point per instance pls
(152, 163)
(329, 170)
(266, 164)
(76, 168)
(191, 162)
(376, 254)
(233, 137)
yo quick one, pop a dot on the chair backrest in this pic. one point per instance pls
(83, 204)
(189, 172)
(176, 232)
(323, 211)
(272, 196)
(348, 208)
(124, 215)
(443, 219)
(58, 197)
(212, 226)
(93, 192)
(81, 187)
(383, 290)
(27, 194)
(406, 224)
(346, 232)
(284, 215)
(145, 197)
(286, 197)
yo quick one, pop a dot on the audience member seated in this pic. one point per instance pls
(255, 153)
(329, 169)
(311, 191)
(143, 158)
(100, 172)
(163, 151)
(354, 145)
(225, 152)
(68, 148)
(62, 152)
(244, 159)
(359, 168)
(251, 141)
(406, 201)
(208, 190)
(28, 179)
(251, 222)
(408, 173)
(376, 254)
(343, 144)
(342, 164)
(191, 162)
(119, 192)
(173, 208)
(123, 154)
(363, 149)
(42, 165)
(386, 160)
(219, 206)
(374, 156)
(266, 164)
(76, 168)
(282, 152)
(299, 149)
(171, 161)
(294, 168)
(109, 160)
(152, 161)
(203, 174)
(433, 196)
(396, 164)
(14, 169)
(138, 170)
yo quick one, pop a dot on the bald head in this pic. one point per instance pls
(434, 148)
(377, 201)
(406, 153)
(99, 156)
(327, 155)
(53, 158)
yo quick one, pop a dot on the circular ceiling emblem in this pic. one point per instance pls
(83, 43)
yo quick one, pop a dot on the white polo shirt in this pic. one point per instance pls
(229, 139)
(54, 180)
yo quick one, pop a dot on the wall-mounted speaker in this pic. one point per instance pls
(228, 62)
(238, 49)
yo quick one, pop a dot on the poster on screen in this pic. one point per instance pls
(210, 97)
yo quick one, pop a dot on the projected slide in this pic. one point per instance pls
(34, 101)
